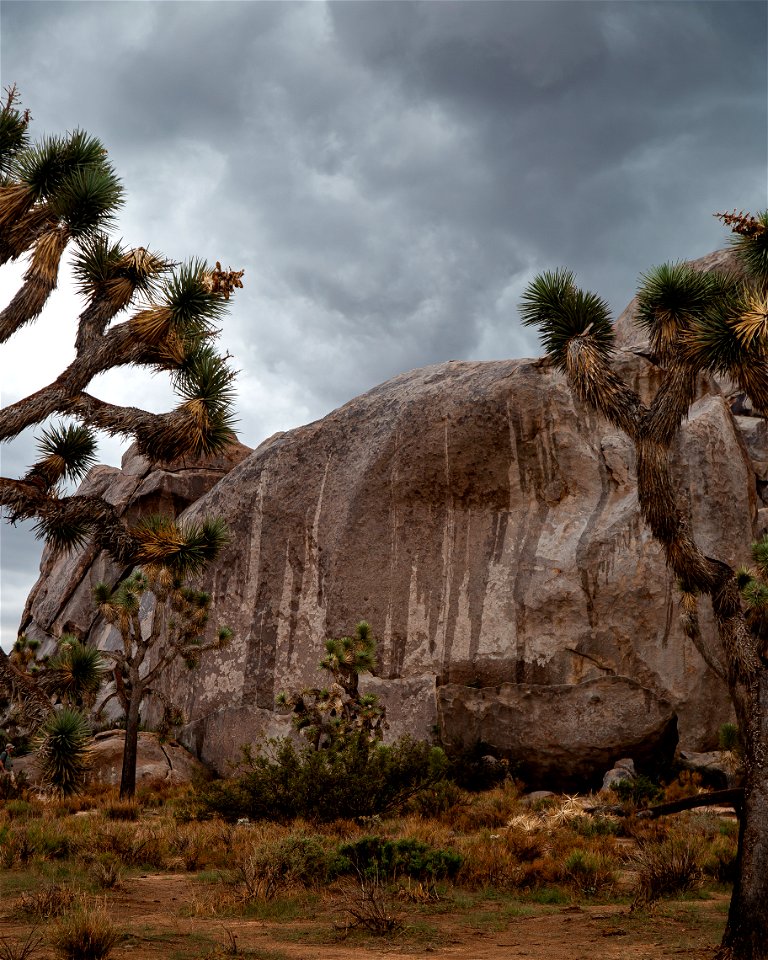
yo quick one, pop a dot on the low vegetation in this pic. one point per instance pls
(69, 861)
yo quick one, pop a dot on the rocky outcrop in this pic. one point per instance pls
(61, 600)
(561, 735)
(487, 525)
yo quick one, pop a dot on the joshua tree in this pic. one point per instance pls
(697, 323)
(178, 623)
(329, 715)
(60, 191)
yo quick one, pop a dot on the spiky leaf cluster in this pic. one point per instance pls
(750, 241)
(329, 716)
(62, 188)
(75, 673)
(13, 130)
(64, 751)
(562, 312)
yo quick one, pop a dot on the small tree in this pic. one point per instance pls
(327, 716)
(179, 619)
(63, 191)
(696, 323)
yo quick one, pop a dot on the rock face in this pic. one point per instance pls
(61, 600)
(487, 525)
(489, 530)
(565, 734)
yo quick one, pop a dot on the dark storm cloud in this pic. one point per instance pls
(392, 174)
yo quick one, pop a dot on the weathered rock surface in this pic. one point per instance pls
(561, 734)
(487, 525)
(61, 600)
(155, 761)
(489, 530)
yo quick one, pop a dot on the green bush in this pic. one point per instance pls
(638, 791)
(387, 859)
(353, 779)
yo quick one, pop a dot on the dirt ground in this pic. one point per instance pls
(163, 917)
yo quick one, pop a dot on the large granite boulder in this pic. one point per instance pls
(487, 525)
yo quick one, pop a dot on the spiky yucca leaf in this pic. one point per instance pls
(95, 261)
(76, 672)
(744, 576)
(62, 532)
(47, 163)
(184, 550)
(67, 451)
(40, 166)
(669, 300)
(193, 304)
(755, 594)
(752, 321)
(563, 313)
(63, 751)
(710, 342)
(750, 241)
(13, 129)
(87, 198)
(760, 555)
(103, 268)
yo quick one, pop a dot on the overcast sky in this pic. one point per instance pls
(389, 174)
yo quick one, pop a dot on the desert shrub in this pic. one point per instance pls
(20, 949)
(492, 809)
(513, 859)
(639, 791)
(355, 778)
(720, 860)
(51, 900)
(133, 847)
(666, 868)
(265, 868)
(106, 873)
(686, 784)
(122, 810)
(14, 788)
(588, 874)
(389, 859)
(729, 738)
(85, 934)
(595, 826)
(366, 906)
(21, 810)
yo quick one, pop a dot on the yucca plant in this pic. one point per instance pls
(696, 323)
(331, 716)
(64, 751)
(61, 192)
(179, 630)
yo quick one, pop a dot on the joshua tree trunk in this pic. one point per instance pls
(130, 749)
(746, 934)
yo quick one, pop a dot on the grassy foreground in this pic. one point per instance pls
(90, 877)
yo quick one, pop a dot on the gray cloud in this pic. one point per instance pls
(392, 174)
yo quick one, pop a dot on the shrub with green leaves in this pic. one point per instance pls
(356, 778)
(637, 791)
(376, 856)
